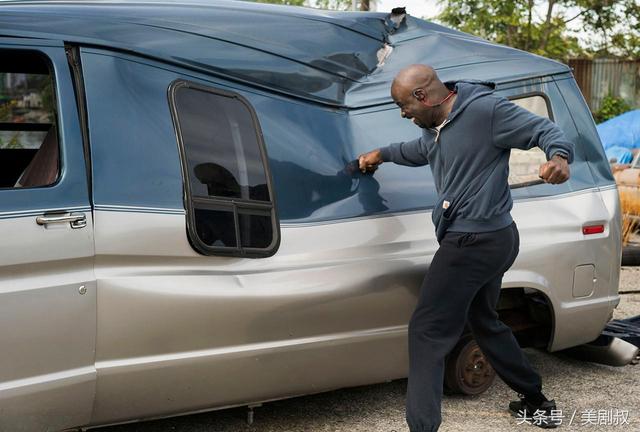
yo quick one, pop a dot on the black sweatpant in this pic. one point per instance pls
(463, 283)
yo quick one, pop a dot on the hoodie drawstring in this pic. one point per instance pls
(439, 129)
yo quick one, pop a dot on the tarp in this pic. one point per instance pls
(622, 155)
(619, 135)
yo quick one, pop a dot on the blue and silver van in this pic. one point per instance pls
(182, 229)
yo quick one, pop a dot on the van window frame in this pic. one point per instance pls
(39, 126)
(547, 101)
(234, 204)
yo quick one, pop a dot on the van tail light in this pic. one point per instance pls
(593, 229)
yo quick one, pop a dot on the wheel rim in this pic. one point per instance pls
(475, 374)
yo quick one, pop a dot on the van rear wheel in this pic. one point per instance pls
(467, 370)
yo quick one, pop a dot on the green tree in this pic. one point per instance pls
(343, 5)
(519, 23)
(611, 107)
(513, 23)
(283, 2)
(617, 22)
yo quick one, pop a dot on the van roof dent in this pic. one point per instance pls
(325, 56)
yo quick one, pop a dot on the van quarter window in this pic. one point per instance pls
(29, 153)
(229, 204)
(524, 165)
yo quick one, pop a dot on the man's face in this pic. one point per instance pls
(411, 108)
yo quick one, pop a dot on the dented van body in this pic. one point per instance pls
(182, 230)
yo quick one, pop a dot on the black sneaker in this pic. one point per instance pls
(544, 415)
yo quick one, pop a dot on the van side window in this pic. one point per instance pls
(524, 165)
(229, 199)
(29, 152)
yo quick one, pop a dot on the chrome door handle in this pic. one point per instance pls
(76, 220)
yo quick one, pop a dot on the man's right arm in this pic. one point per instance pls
(408, 153)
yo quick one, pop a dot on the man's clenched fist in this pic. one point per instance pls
(555, 171)
(370, 161)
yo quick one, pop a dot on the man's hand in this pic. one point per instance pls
(369, 161)
(555, 170)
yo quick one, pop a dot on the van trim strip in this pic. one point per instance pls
(39, 212)
(609, 187)
(140, 209)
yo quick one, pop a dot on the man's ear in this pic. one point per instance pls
(418, 94)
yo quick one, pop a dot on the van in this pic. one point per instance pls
(183, 228)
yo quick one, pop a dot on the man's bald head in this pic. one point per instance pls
(419, 93)
(413, 76)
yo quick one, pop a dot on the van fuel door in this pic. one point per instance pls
(584, 280)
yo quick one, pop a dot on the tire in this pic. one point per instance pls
(631, 256)
(467, 370)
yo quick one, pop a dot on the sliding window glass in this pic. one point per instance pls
(230, 208)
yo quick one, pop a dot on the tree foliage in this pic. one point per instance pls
(283, 2)
(610, 107)
(539, 26)
(341, 5)
(616, 22)
(542, 27)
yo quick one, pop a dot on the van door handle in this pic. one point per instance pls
(76, 220)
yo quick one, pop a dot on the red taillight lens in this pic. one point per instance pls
(593, 229)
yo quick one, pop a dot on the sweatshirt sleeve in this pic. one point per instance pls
(517, 127)
(409, 153)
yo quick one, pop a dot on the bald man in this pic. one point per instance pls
(467, 134)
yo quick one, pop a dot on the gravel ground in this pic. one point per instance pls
(629, 279)
(576, 386)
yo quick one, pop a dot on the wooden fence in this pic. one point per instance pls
(601, 77)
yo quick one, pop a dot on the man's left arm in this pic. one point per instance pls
(516, 127)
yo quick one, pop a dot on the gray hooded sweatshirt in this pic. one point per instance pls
(469, 156)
